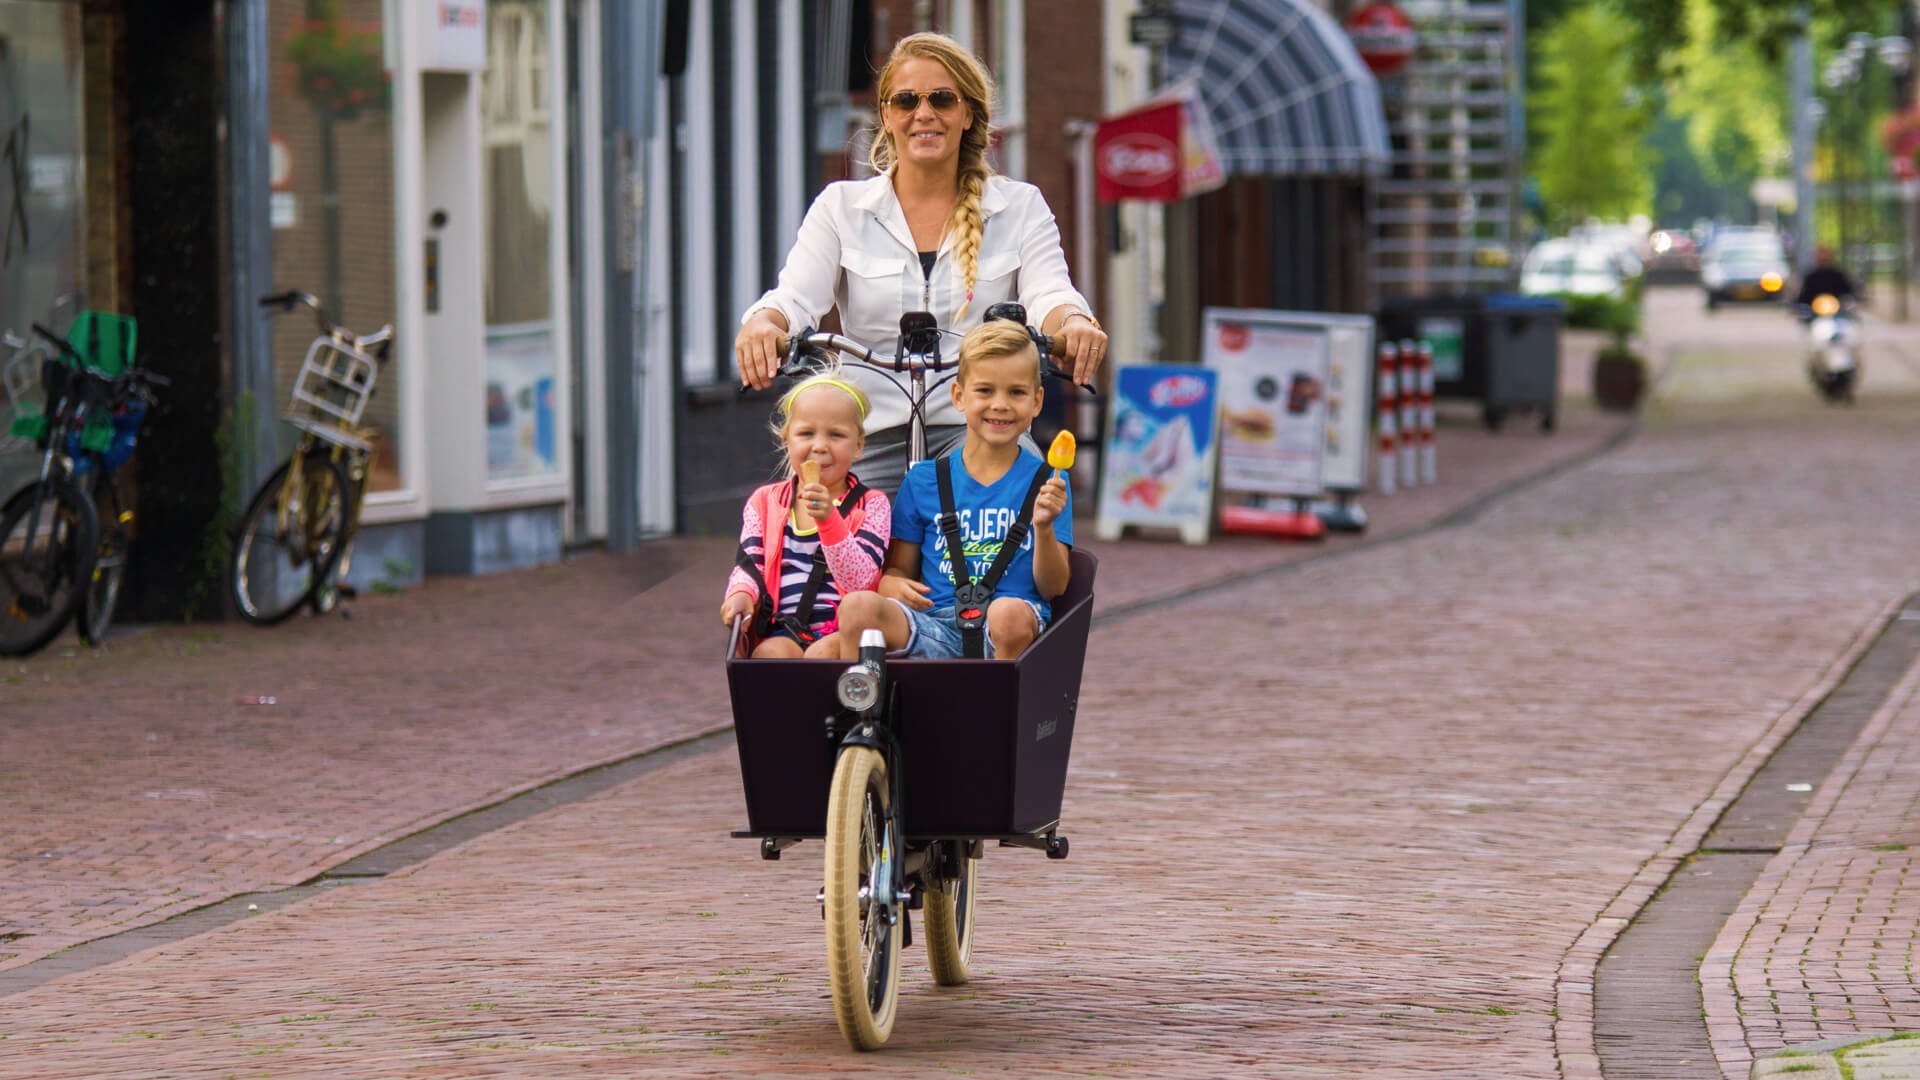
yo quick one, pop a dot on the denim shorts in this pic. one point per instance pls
(935, 634)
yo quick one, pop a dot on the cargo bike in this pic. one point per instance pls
(907, 769)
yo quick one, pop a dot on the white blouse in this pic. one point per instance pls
(855, 252)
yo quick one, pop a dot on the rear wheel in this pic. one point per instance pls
(102, 594)
(48, 541)
(292, 535)
(864, 922)
(949, 923)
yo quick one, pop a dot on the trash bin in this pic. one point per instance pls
(1499, 349)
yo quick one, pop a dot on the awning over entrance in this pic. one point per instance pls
(1283, 86)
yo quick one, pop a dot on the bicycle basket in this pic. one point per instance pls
(333, 387)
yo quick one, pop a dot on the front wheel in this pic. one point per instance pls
(49, 537)
(864, 920)
(292, 535)
(102, 594)
(949, 923)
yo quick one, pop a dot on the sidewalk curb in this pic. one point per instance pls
(1717, 993)
(1573, 1031)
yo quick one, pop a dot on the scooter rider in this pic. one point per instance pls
(1825, 279)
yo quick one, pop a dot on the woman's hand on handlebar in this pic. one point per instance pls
(1085, 347)
(757, 347)
(908, 591)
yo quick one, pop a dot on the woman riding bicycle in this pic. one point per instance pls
(936, 230)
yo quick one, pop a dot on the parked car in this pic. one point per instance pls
(1744, 267)
(1672, 256)
(1565, 267)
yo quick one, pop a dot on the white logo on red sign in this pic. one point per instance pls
(1139, 160)
(1177, 390)
(1233, 337)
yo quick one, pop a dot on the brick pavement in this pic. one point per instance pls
(139, 781)
(1823, 944)
(1348, 822)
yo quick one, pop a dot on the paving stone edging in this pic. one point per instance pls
(1573, 1032)
(1718, 996)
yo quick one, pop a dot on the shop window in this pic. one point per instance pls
(43, 252)
(517, 132)
(332, 201)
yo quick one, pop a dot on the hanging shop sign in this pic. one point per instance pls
(1383, 36)
(453, 34)
(1137, 154)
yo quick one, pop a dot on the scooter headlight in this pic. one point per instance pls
(858, 688)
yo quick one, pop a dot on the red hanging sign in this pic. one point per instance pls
(1137, 155)
(1383, 36)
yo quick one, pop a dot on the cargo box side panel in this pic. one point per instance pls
(780, 708)
(958, 720)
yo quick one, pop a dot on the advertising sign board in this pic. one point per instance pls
(1273, 387)
(1157, 468)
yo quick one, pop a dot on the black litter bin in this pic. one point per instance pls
(1499, 349)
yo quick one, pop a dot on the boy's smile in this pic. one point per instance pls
(1000, 397)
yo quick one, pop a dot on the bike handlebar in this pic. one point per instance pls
(380, 342)
(811, 342)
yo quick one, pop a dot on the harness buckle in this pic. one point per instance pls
(971, 601)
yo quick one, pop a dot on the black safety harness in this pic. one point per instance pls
(800, 622)
(970, 598)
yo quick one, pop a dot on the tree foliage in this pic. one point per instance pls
(1589, 156)
(1667, 26)
(1731, 99)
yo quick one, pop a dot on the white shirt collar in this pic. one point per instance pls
(876, 196)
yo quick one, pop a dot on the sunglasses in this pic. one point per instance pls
(908, 100)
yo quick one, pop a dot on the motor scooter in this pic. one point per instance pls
(1833, 347)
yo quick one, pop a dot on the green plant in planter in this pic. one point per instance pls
(1619, 371)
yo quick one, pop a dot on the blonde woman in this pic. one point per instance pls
(936, 230)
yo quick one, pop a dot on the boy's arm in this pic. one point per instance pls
(1051, 566)
(901, 580)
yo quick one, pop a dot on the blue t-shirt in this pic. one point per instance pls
(985, 513)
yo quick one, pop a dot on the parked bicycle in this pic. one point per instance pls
(293, 545)
(56, 554)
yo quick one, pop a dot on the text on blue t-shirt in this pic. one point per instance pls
(985, 511)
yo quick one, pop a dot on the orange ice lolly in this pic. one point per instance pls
(1060, 454)
(810, 472)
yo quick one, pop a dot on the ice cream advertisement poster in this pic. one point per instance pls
(1159, 462)
(1273, 388)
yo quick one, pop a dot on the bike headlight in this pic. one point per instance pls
(858, 688)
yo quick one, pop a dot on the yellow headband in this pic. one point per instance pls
(859, 399)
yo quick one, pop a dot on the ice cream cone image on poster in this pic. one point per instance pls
(1060, 454)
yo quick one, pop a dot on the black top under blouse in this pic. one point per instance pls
(926, 262)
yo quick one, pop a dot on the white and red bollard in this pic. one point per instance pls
(1389, 405)
(1429, 455)
(1409, 413)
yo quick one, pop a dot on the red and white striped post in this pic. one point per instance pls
(1409, 413)
(1429, 454)
(1388, 405)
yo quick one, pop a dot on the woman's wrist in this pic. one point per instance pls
(1078, 314)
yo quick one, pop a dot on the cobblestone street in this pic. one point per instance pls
(1346, 817)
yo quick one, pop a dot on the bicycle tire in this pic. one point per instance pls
(294, 560)
(863, 934)
(102, 594)
(948, 923)
(37, 600)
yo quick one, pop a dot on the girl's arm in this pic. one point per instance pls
(856, 557)
(753, 548)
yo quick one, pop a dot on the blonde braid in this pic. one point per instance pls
(967, 227)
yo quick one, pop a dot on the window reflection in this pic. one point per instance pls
(518, 180)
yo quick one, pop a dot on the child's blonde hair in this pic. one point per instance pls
(998, 337)
(783, 413)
